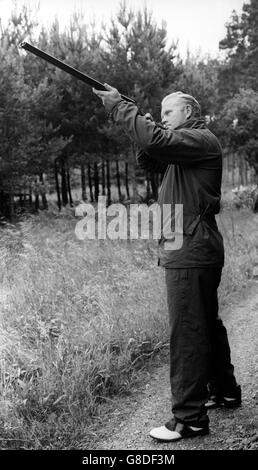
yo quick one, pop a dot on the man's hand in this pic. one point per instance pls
(109, 97)
(149, 117)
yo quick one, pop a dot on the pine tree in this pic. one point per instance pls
(138, 63)
(199, 78)
(240, 122)
(241, 46)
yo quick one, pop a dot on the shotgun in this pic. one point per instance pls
(72, 71)
(67, 68)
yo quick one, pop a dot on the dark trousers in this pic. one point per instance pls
(199, 348)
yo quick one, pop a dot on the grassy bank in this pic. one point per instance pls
(79, 320)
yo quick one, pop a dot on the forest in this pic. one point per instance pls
(83, 323)
(57, 147)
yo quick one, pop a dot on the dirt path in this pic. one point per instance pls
(127, 423)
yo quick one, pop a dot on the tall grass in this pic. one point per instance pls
(240, 233)
(78, 320)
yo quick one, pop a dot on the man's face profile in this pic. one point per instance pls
(174, 112)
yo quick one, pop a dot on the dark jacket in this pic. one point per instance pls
(192, 158)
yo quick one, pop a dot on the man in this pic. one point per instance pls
(199, 348)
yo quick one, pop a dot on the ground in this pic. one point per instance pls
(126, 421)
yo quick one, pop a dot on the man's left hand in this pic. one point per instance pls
(109, 98)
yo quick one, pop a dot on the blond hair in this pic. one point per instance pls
(189, 99)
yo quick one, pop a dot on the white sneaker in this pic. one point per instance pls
(164, 434)
(181, 430)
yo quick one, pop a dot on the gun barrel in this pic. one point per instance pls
(67, 68)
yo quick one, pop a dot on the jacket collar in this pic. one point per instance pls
(195, 123)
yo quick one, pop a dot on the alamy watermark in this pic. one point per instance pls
(125, 224)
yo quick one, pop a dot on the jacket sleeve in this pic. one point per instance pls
(185, 146)
(149, 163)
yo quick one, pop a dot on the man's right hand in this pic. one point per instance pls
(148, 116)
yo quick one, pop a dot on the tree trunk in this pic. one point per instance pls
(108, 184)
(256, 182)
(148, 186)
(233, 169)
(83, 183)
(134, 183)
(36, 203)
(118, 181)
(69, 188)
(11, 205)
(256, 205)
(4, 204)
(90, 182)
(103, 178)
(241, 170)
(96, 181)
(57, 186)
(43, 193)
(36, 192)
(21, 197)
(30, 196)
(64, 185)
(225, 169)
(245, 172)
(127, 181)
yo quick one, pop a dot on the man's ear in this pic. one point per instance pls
(189, 111)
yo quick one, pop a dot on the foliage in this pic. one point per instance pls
(240, 119)
(199, 78)
(80, 321)
(52, 117)
(139, 62)
(20, 25)
(14, 97)
(241, 46)
(70, 344)
(246, 196)
(52, 124)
